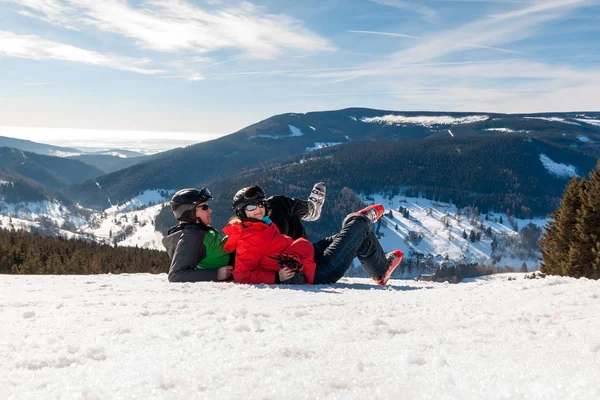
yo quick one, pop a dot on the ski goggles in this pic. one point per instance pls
(252, 207)
(203, 207)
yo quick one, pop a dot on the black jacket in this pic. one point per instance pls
(185, 246)
(287, 213)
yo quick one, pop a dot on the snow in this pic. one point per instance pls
(500, 129)
(595, 122)
(31, 211)
(143, 199)
(296, 132)
(557, 169)
(555, 119)
(426, 121)
(58, 153)
(320, 145)
(584, 139)
(14, 223)
(139, 222)
(435, 237)
(137, 336)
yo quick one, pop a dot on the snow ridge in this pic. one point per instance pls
(426, 121)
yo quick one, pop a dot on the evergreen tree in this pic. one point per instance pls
(586, 244)
(555, 244)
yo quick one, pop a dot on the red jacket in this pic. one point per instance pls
(257, 245)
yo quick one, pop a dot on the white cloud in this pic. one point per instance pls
(385, 34)
(179, 26)
(429, 14)
(38, 48)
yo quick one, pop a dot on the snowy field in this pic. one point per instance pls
(137, 336)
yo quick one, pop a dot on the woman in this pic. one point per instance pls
(264, 255)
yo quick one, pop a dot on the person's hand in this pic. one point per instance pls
(224, 273)
(285, 274)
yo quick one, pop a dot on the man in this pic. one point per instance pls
(195, 247)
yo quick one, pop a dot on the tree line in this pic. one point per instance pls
(26, 253)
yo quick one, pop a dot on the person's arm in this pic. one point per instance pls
(188, 252)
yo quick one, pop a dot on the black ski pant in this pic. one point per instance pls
(334, 255)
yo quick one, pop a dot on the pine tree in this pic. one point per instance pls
(585, 248)
(555, 244)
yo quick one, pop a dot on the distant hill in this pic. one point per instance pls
(105, 160)
(290, 135)
(39, 148)
(51, 172)
(108, 163)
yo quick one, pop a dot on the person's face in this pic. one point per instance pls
(257, 213)
(204, 215)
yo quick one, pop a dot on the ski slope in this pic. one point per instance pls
(426, 221)
(137, 336)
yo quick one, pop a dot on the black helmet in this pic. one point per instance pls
(185, 201)
(248, 195)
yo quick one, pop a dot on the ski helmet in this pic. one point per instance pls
(184, 202)
(248, 195)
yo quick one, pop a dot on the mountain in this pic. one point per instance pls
(51, 172)
(109, 162)
(293, 134)
(106, 161)
(39, 148)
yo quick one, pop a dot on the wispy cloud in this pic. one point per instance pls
(429, 14)
(490, 31)
(178, 26)
(385, 34)
(418, 37)
(38, 48)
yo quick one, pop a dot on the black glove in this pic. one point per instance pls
(297, 279)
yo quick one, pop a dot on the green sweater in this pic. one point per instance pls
(215, 257)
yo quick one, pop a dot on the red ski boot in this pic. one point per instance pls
(394, 259)
(373, 212)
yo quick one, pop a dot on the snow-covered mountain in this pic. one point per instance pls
(440, 232)
(137, 336)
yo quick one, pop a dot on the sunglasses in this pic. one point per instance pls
(252, 207)
(203, 207)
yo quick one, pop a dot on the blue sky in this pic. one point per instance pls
(216, 66)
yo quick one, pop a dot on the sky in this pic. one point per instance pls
(212, 67)
(135, 336)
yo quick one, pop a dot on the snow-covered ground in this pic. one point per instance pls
(293, 132)
(136, 227)
(137, 336)
(436, 239)
(31, 211)
(558, 169)
(321, 145)
(555, 119)
(427, 121)
(595, 122)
